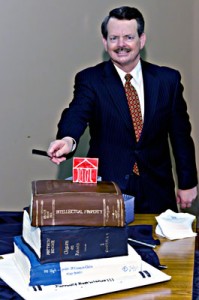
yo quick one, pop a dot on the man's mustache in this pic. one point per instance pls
(121, 49)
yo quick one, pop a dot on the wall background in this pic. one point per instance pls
(43, 43)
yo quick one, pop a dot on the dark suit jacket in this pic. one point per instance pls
(100, 102)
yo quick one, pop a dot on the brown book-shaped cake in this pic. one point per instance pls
(63, 202)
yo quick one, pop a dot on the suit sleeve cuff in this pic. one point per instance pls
(74, 144)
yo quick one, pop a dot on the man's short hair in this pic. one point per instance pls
(124, 13)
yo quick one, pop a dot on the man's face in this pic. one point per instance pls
(123, 43)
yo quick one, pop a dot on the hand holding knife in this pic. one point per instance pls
(56, 160)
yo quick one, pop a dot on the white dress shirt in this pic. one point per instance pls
(136, 81)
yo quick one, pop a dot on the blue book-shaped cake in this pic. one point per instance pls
(74, 243)
(70, 272)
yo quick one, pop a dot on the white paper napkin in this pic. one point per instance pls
(174, 225)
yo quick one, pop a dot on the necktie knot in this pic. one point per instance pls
(128, 77)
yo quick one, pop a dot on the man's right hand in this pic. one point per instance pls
(59, 148)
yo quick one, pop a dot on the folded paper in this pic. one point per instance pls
(172, 225)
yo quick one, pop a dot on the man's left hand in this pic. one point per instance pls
(186, 197)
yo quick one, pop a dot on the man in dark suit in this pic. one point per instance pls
(100, 102)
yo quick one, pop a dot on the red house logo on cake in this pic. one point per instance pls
(85, 170)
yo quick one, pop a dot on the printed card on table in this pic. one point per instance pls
(85, 170)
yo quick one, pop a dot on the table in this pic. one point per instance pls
(178, 255)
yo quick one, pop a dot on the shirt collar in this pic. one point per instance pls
(136, 73)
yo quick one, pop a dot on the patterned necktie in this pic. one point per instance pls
(134, 107)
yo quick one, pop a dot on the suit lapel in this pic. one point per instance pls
(115, 88)
(151, 89)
